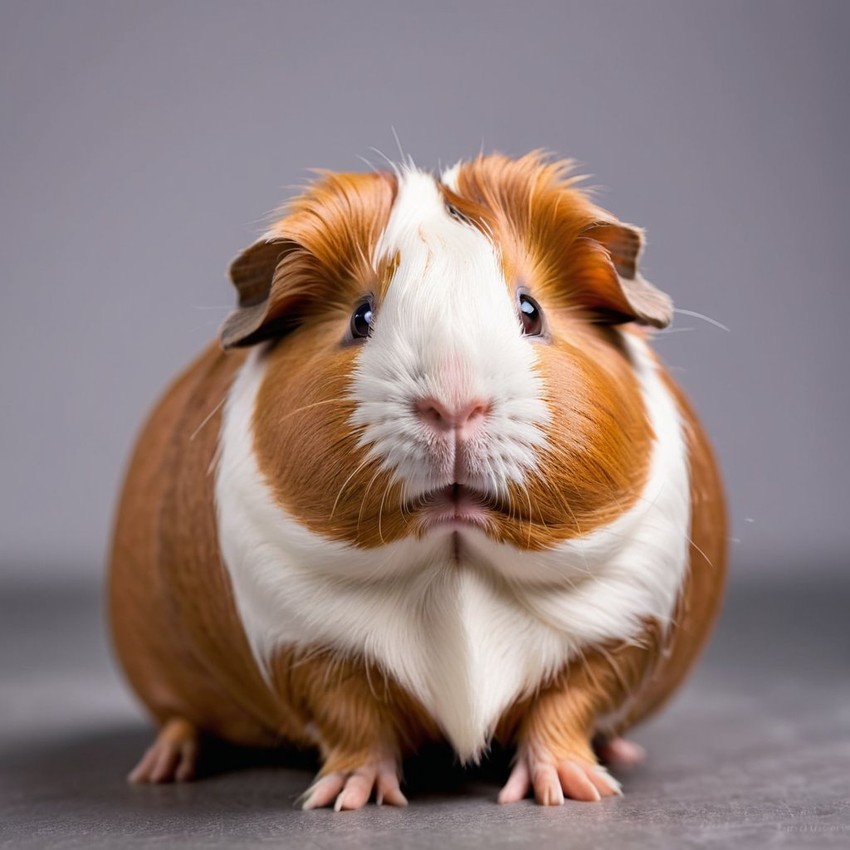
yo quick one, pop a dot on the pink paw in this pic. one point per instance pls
(353, 790)
(620, 752)
(552, 780)
(172, 757)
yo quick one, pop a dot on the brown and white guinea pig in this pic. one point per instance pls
(433, 485)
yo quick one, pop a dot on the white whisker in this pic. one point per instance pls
(696, 315)
(207, 418)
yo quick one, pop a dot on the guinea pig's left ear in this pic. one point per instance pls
(630, 296)
(262, 304)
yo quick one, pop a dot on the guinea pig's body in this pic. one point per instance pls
(447, 492)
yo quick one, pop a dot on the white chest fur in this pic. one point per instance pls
(466, 641)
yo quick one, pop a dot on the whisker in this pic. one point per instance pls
(345, 483)
(707, 559)
(368, 163)
(381, 510)
(207, 418)
(405, 158)
(342, 400)
(365, 496)
(701, 316)
(394, 166)
(529, 522)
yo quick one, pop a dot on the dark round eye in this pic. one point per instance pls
(456, 214)
(361, 320)
(532, 318)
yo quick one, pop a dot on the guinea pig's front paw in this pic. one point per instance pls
(353, 789)
(552, 778)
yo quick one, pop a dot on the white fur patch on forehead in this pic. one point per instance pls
(447, 329)
(448, 287)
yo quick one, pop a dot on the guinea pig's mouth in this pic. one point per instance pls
(455, 505)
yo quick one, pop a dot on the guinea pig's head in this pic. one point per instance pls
(444, 358)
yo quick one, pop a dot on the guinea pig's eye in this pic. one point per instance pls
(361, 320)
(532, 317)
(456, 214)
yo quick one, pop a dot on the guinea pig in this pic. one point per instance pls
(430, 485)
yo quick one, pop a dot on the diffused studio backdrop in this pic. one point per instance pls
(143, 144)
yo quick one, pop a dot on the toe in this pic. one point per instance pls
(575, 782)
(605, 784)
(168, 757)
(357, 790)
(157, 765)
(621, 752)
(141, 772)
(388, 790)
(518, 784)
(188, 760)
(547, 787)
(323, 791)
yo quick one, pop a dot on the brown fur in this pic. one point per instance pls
(173, 620)
(595, 462)
(598, 444)
(175, 626)
(180, 641)
(638, 677)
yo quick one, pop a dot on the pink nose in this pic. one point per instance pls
(463, 419)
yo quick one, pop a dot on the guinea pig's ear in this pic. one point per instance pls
(627, 295)
(261, 311)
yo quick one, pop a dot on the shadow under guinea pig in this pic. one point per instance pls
(79, 768)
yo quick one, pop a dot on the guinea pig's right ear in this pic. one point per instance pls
(625, 294)
(265, 304)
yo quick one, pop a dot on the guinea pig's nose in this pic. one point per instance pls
(463, 418)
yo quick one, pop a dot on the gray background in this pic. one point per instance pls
(143, 144)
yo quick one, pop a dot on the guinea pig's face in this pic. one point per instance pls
(445, 357)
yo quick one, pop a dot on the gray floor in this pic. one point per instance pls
(755, 751)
